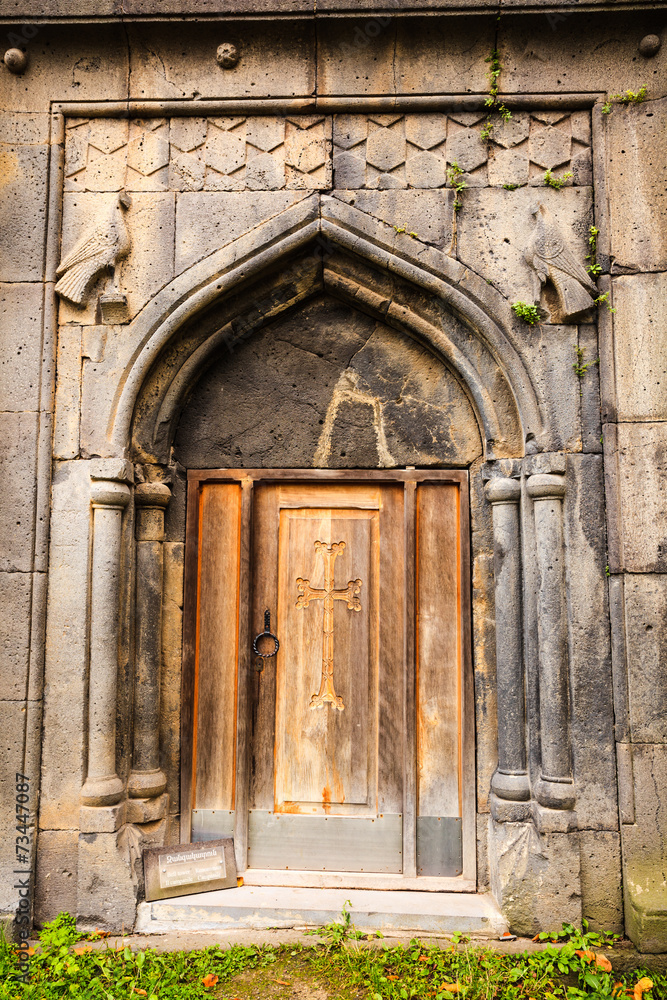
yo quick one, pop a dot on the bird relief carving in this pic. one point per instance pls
(552, 260)
(104, 248)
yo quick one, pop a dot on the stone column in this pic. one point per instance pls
(510, 780)
(146, 779)
(555, 788)
(103, 787)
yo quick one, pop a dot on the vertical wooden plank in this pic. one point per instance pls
(391, 650)
(438, 651)
(409, 698)
(217, 646)
(263, 683)
(468, 797)
(243, 725)
(189, 656)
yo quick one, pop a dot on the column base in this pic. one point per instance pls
(555, 793)
(506, 811)
(146, 784)
(553, 820)
(147, 810)
(514, 786)
(101, 819)
(102, 791)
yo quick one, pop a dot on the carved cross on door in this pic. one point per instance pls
(328, 595)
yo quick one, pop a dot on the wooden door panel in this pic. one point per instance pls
(438, 651)
(355, 744)
(325, 749)
(217, 647)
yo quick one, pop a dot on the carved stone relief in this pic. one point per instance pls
(105, 247)
(552, 260)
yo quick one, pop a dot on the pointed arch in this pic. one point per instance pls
(323, 243)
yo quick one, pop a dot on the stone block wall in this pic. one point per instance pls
(198, 182)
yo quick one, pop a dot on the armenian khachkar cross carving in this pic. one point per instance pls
(328, 595)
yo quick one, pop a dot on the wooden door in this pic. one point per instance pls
(347, 752)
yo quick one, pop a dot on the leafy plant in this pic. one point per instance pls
(528, 313)
(337, 932)
(603, 300)
(454, 176)
(627, 97)
(593, 268)
(580, 366)
(556, 182)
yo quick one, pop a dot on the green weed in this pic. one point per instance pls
(528, 313)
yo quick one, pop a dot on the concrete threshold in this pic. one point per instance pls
(263, 907)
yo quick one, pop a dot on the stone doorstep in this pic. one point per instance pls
(262, 907)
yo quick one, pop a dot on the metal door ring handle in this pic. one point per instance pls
(265, 635)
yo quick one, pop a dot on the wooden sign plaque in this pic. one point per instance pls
(189, 868)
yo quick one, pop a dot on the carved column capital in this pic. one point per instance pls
(503, 490)
(107, 493)
(152, 495)
(546, 486)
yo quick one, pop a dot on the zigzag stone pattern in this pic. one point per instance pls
(318, 152)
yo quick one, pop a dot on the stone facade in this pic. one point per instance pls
(281, 272)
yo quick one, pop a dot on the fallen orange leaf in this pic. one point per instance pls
(642, 986)
(239, 881)
(536, 938)
(451, 987)
(281, 982)
(392, 977)
(82, 950)
(423, 958)
(142, 993)
(603, 963)
(209, 980)
(587, 956)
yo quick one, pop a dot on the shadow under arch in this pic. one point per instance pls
(322, 244)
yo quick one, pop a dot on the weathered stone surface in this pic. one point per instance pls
(550, 351)
(381, 400)
(645, 851)
(428, 214)
(56, 874)
(640, 345)
(646, 650)
(15, 600)
(18, 449)
(635, 140)
(206, 221)
(592, 711)
(106, 895)
(560, 45)
(601, 884)
(66, 648)
(23, 208)
(25, 127)
(66, 65)
(68, 392)
(383, 55)
(535, 878)
(495, 228)
(20, 344)
(642, 480)
(277, 59)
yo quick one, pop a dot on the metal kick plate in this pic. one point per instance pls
(439, 846)
(325, 843)
(212, 824)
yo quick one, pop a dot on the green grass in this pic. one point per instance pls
(339, 966)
